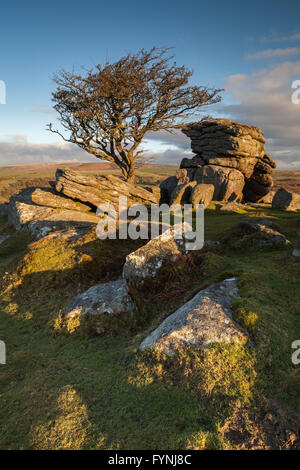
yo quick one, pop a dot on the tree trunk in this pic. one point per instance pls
(130, 176)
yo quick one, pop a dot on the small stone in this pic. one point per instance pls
(231, 207)
(111, 298)
(286, 200)
(61, 220)
(255, 232)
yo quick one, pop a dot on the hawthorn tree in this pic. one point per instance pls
(109, 110)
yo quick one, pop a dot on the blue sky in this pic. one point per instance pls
(250, 48)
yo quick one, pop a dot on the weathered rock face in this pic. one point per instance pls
(228, 182)
(296, 251)
(202, 194)
(25, 208)
(224, 137)
(145, 263)
(204, 320)
(47, 198)
(61, 220)
(97, 190)
(20, 213)
(182, 193)
(167, 187)
(111, 298)
(258, 185)
(286, 200)
(35, 203)
(232, 157)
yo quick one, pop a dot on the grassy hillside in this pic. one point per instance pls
(287, 179)
(77, 391)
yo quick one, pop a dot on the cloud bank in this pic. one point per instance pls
(274, 53)
(281, 38)
(19, 151)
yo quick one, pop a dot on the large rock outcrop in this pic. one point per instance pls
(206, 319)
(229, 155)
(71, 202)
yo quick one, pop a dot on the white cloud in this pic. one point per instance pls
(17, 138)
(43, 110)
(281, 38)
(274, 53)
(167, 148)
(264, 100)
(17, 150)
(175, 138)
(168, 157)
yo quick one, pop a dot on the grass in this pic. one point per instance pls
(65, 391)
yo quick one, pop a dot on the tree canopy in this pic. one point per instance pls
(109, 109)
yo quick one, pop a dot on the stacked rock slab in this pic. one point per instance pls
(96, 190)
(71, 202)
(42, 208)
(232, 157)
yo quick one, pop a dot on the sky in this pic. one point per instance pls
(252, 49)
